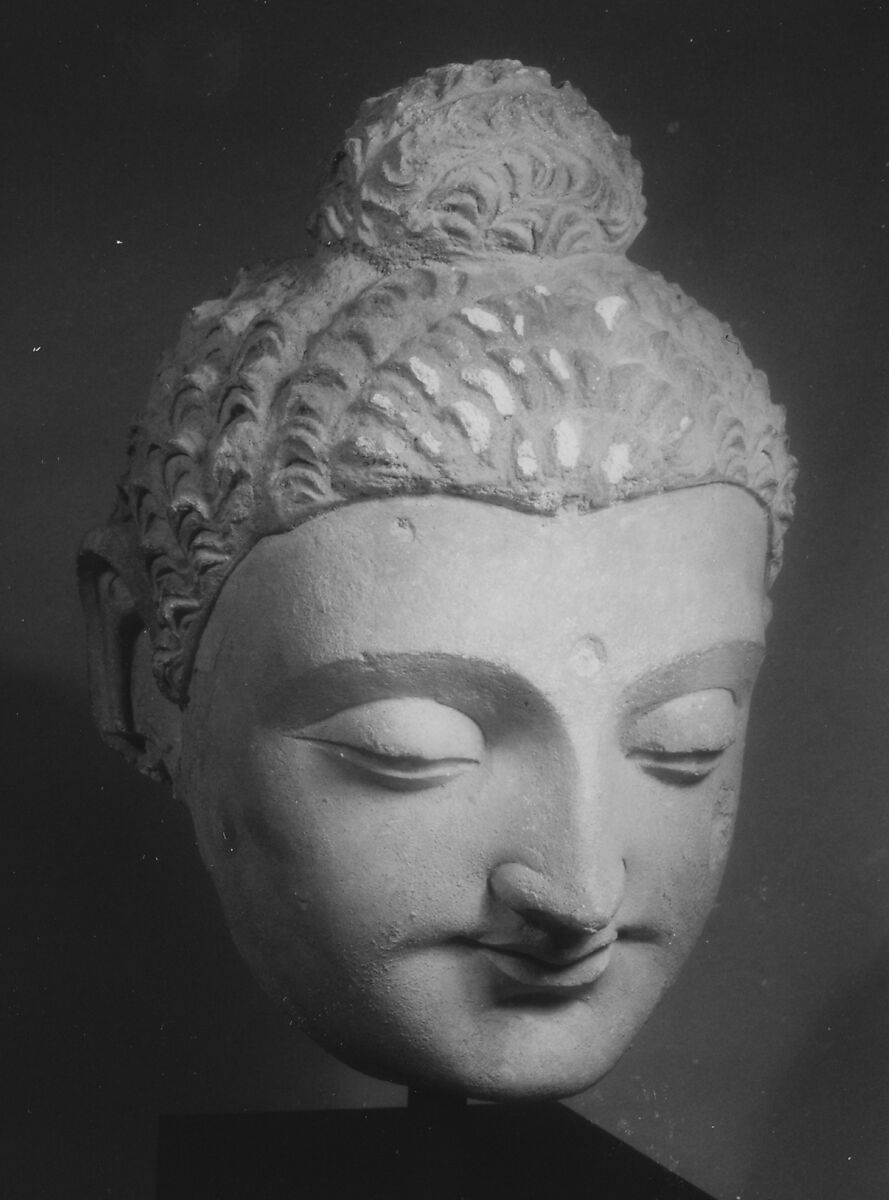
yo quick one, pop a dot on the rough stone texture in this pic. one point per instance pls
(459, 726)
(470, 325)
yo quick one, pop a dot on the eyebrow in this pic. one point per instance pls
(730, 665)
(332, 686)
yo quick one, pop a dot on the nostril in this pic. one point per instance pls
(562, 931)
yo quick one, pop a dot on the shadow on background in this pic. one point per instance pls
(832, 1109)
(119, 1000)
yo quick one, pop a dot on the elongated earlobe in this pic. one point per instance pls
(128, 709)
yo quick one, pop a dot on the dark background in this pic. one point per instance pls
(151, 150)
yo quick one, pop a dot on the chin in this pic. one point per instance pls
(499, 1083)
(522, 1082)
(514, 1069)
(540, 1076)
(506, 1087)
(442, 1038)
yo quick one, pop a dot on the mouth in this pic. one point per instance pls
(557, 974)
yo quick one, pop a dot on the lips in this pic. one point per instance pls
(548, 972)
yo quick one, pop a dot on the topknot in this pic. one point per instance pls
(483, 158)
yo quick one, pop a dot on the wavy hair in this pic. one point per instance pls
(470, 326)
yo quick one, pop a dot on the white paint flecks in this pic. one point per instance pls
(609, 309)
(541, 290)
(558, 364)
(616, 463)
(519, 325)
(567, 443)
(474, 423)
(526, 460)
(492, 385)
(382, 402)
(426, 376)
(517, 365)
(430, 443)
(482, 319)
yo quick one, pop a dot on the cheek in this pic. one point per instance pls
(339, 859)
(678, 859)
(722, 825)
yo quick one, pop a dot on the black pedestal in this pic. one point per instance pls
(477, 1152)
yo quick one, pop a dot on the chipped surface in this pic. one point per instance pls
(482, 319)
(402, 529)
(567, 443)
(430, 443)
(558, 364)
(617, 465)
(474, 423)
(493, 385)
(526, 460)
(427, 377)
(517, 365)
(609, 309)
(586, 657)
(366, 447)
(541, 290)
(382, 403)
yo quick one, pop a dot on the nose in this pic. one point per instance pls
(560, 903)
(558, 859)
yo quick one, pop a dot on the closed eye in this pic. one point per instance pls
(401, 773)
(681, 740)
(404, 743)
(683, 768)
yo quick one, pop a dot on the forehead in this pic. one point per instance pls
(640, 584)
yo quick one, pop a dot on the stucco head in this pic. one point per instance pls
(460, 727)
(469, 325)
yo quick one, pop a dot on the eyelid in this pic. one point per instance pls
(390, 731)
(678, 768)
(404, 774)
(704, 722)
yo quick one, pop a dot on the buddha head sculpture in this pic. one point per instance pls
(437, 588)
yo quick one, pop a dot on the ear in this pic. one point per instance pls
(129, 709)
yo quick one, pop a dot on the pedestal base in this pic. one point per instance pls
(476, 1152)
